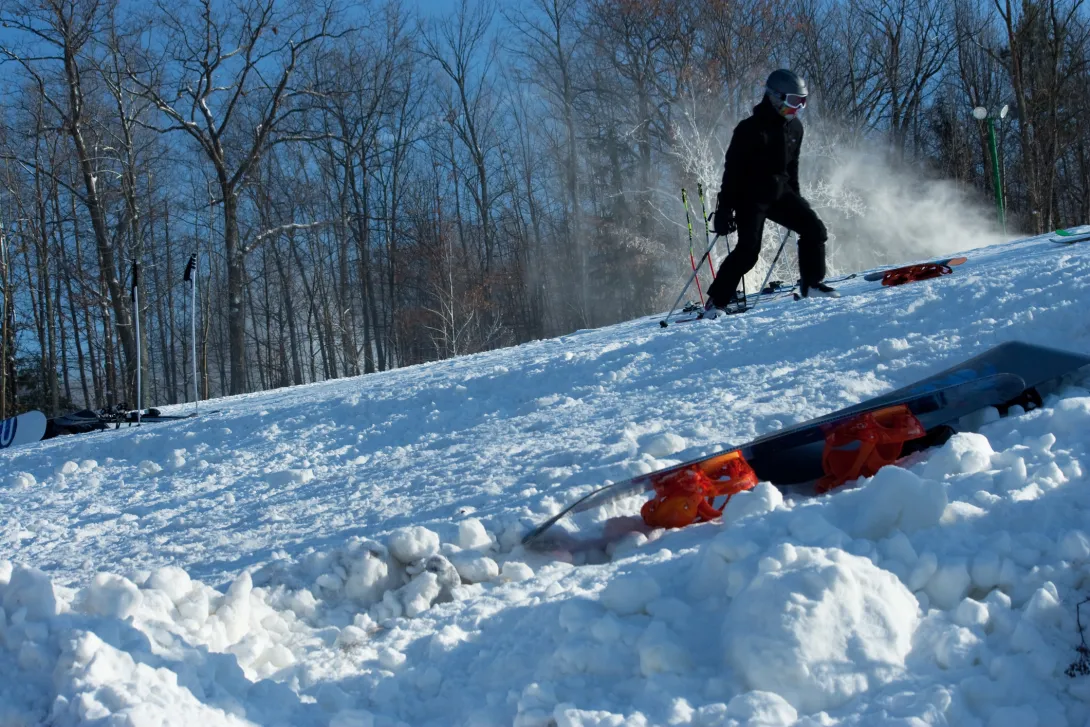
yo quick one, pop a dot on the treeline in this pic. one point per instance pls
(366, 189)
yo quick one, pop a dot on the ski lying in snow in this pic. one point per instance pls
(23, 429)
(948, 262)
(793, 455)
(1072, 235)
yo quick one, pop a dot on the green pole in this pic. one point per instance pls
(995, 175)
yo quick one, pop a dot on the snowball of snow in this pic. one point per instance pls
(663, 444)
(112, 595)
(628, 594)
(1071, 414)
(985, 569)
(971, 613)
(1074, 546)
(21, 479)
(68, 468)
(762, 708)
(949, 584)
(964, 453)
(763, 498)
(177, 459)
(234, 611)
(473, 536)
(171, 580)
(891, 348)
(88, 465)
(419, 594)
(353, 718)
(147, 467)
(31, 589)
(660, 651)
(351, 637)
(567, 715)
(390, 659)
(896, 499)
(474, 567)
(823, 628)
(195, 606)
(516, 571)
(368, 576)
(1043, 607)
(413, 543)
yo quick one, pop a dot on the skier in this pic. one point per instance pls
(761, 181)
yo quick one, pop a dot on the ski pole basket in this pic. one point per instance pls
(912, 273)
(688, 496)
(864, 444)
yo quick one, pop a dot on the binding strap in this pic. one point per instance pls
(912, 273)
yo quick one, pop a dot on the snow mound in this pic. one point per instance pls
(820, 629)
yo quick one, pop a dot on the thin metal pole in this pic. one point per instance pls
(692, 260)
(704, 214)
(4, 329)
(665, 321)
(139, 348)
(193, 341)
(774, 261)
(995, 175)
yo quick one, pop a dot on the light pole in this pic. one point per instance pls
(980, 113)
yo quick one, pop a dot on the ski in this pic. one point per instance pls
(1072, 235)
(789, 456)
(948, 262)
(22, 429)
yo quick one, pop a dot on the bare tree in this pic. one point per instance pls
(226, 80)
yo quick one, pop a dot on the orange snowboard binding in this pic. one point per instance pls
(864, 444)
(912, 273)
(688, 496)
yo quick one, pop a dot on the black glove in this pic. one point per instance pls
(723, 222)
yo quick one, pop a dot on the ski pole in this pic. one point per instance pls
(685, 203)
(776, 259)
(704, 214)
(707, 252)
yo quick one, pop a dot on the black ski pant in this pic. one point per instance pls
(791, 211)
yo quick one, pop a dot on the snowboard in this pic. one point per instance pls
(793, 455)
(949, 262)
(1071, 235)
(22, 429)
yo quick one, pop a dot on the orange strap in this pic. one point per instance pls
(862, 445)
(912, 273)
(688, 495)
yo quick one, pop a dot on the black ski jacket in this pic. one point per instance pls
(762, 160)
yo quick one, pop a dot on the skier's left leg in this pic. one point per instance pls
(795, 213)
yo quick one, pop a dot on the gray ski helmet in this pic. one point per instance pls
(784, 82)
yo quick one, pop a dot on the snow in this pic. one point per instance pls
(350, 554)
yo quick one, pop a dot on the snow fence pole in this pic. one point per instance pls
(191, 278)
(689, 223)
(665, 321)
(707, 231)
(136, 325)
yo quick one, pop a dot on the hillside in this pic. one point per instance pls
(272, 563)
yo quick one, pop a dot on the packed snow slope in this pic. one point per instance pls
(348, 553)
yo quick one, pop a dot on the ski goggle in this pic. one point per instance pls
(794, 101)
